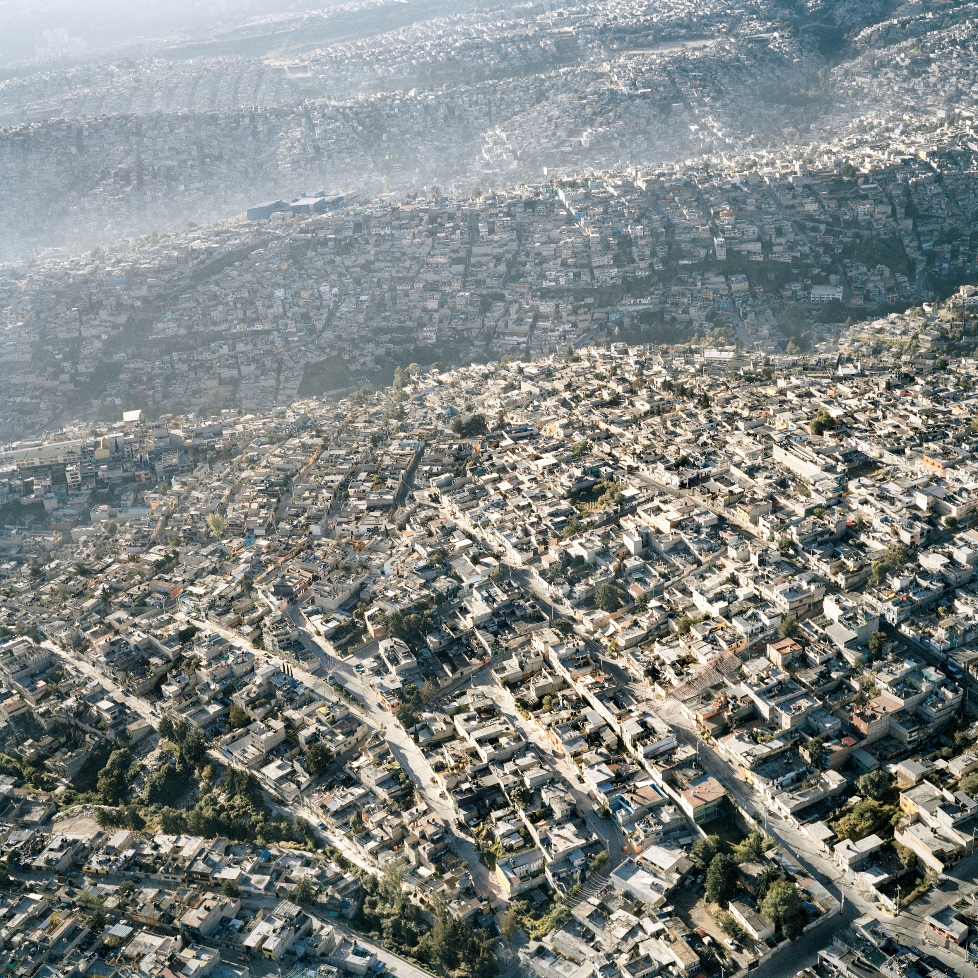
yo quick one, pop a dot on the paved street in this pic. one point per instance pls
(407, 753)
(136, 703)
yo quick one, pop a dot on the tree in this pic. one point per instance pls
(876, 784)
(969, 784)
(471, 426)
(753, 847)
(165, 728)
(766, 879)
(721, 878)
(509, 926)
(319, 759)
(816, 751)
(97, 920)
(782, 906)
(580, 448)
(230, 889)
(521, 796)
(877, 642)
(113, 784)
(304, 892)
(704, 850)
(217, 524)
(193, 747)
(788, 627)
(896, 556)
(608, 597)
(238, 717)
(111, 527)
(406, 717)
(821, 423)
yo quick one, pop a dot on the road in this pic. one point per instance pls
(398, 966)
(406, 752)
(135, 703)
(606, 830)
(908, 925)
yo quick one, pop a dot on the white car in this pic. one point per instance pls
(731, 944)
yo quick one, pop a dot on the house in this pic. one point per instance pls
(850, 855)
(701, 799)
(521, 872)
(751, 919)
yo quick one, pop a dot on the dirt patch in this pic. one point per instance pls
(697, 913)
(79, 823)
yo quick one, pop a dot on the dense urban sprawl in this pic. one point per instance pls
(630, 658)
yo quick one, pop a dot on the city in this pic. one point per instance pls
(489, 490)
(583, 648)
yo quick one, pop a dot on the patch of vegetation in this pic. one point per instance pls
(866, 818)
(454, 946)
(28, 775)
(537, 923)
(474, 424)
(324, 375)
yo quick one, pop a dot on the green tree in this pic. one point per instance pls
(304, 892)
(509, 926)
(165, 728)
(471, 426)
(193, 747)
(782, 906)
(230, 889)
(521, 796)
(721, 878)
(704, 850)
(821, 423)
(788, 627)
(753, 847)
(405, 715)
(766, 879)
(238, 717)
(608, 597)
(580, 448)
(896, 556)
(816, 751)
(319, 759)
(969, 784)
(113, 784)
(429, 691)
(217, 524)
(876, 784)
(877, 642)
